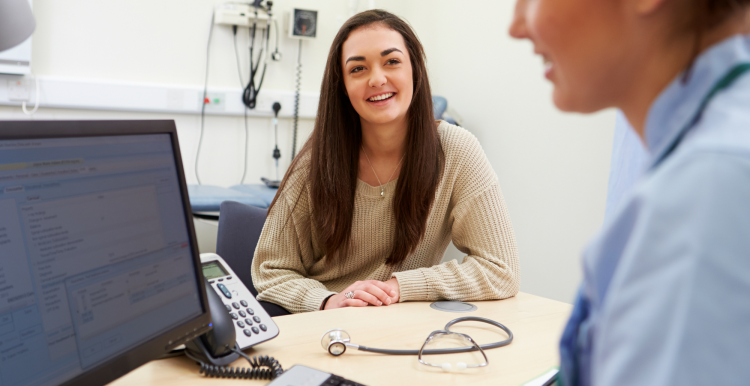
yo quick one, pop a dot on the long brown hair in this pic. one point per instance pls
(334, 145)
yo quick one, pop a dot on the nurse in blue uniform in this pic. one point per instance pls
(666, 293)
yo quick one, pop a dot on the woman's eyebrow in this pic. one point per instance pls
(357, 58)
(362, 58)
(388, 51)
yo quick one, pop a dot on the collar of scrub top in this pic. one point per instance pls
(679, 107)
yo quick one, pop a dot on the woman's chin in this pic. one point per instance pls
(382, 118)
(571, 103)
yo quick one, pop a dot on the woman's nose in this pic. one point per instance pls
(377, 78)
(518, 25)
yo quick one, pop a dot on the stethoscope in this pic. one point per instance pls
(337, 340)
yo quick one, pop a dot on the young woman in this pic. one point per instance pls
(665, 294)
(366, 211)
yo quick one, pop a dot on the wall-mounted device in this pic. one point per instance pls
(16, 26)
(239, 14)
(257, 17)
(276, 152)
(303, 24)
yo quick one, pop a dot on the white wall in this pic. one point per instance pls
(552, 167)
(164, 42)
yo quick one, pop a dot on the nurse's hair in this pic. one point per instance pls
(707, 14)
(333, 153)
(704, 15)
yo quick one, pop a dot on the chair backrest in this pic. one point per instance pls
(240, 226)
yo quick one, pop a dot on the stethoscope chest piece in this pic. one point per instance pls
(334, 341)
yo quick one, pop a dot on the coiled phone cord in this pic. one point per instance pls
(263, 367)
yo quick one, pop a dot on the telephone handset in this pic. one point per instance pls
(239, 322)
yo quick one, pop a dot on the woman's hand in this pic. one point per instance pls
(367, 292)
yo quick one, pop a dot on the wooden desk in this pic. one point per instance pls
(536, 323)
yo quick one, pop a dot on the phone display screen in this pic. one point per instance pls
(214, 269)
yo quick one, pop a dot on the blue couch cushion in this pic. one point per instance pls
(208, 198)
(259, 190)
(439, 104)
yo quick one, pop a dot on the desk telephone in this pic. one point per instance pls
(240, 322)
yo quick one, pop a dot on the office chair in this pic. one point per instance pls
(240, 226)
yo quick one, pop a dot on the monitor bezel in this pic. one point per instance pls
(156, 347)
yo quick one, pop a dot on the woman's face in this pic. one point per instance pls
(584, 47)
(377, 74)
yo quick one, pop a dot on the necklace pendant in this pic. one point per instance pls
(382, 193)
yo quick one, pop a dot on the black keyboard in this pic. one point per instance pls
(335, 380)
(302, 375)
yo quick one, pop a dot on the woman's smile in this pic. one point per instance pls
(381, 99)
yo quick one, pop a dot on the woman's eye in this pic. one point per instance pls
(356, 69)
(392, 61)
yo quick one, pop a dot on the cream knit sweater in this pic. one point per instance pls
(289, 266)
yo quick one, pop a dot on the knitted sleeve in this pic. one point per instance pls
(278, 272)
(481, 229)
(490, 270)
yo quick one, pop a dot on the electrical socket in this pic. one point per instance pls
(241, 15)
(19, 90)
(215, 101)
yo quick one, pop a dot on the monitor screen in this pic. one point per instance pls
(96, 254)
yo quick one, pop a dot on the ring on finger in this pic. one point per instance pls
(349, 295)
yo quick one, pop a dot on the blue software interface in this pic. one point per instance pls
(95, 255)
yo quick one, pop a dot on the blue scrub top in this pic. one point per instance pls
(666, 292)
(629, 161)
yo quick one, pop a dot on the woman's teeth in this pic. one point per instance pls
(380, 97)
(547, 64)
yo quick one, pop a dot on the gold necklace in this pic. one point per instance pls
(382, 190)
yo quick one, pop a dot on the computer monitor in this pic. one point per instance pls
(99, 266)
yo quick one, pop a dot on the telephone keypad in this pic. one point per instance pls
(242, 306)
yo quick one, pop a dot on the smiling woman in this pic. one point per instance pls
(366, 211)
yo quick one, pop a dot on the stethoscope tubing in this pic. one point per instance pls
(447, 350)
